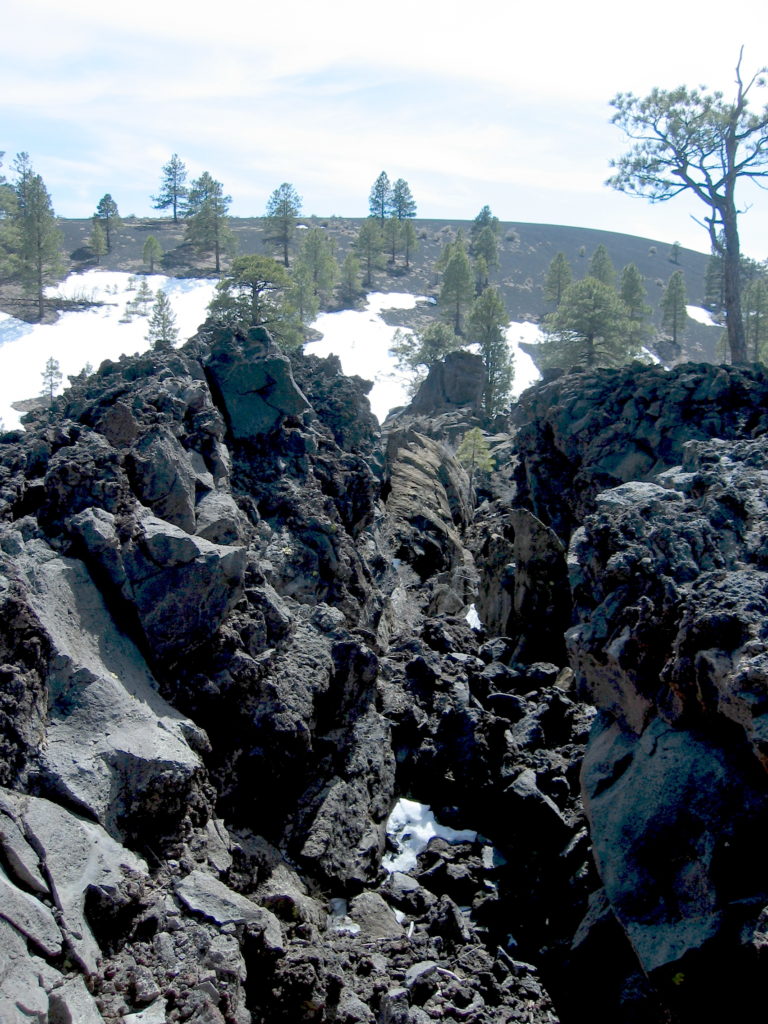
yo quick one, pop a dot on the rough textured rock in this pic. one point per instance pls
(235, 632)
(253, 381)
(455, 382)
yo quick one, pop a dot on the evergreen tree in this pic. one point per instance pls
(590, 327)
(409, 240)
(349, 288)
(486, 245)
(140, 304)
(482, 275)
(674, 315)
(417, 352)
(474, 454)
(316, 256)
(392, 231)
(255, 294)
(162, 331)
(9, 236)
(559, 277)
(402, 204)
(714, 284)
(674, 252)
(634, 295)
(52, 378)
(601, 267)
(152, 252)
(39, 239)
(457, 288)
(692, 141)
(369, 244)
(756, 318)
(484, 219)
(97, 240)
(488, 323)
(173, 191)
(206, 213)
(380, 198)
(109, 216)
(283, 207)
(301, 294)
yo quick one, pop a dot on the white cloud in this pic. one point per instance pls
(506, 105)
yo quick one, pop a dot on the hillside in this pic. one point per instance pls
(525, 254)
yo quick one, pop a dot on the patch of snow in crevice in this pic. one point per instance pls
(472, 618)
(410, 827)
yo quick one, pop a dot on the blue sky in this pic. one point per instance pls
(504, 104)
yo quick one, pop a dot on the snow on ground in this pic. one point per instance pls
(701, 316)
(410, 826)
(88, 336)
(361, 339)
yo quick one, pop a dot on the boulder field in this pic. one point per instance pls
(241, 620)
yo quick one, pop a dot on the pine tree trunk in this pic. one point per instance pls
(732, 281)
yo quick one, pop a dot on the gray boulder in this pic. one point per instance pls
(253, 382)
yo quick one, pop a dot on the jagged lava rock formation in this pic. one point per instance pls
(235, 632)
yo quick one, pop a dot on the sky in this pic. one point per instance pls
(500, 104)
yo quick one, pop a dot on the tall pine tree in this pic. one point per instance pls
(207, 221)
(37, 232)
(283, 207)
(173, 190)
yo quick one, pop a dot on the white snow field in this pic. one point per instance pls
(360, 338)
(88, 336)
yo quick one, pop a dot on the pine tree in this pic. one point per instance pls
(39, 238)
(52, 378)
(97, 240)
(283, 207)
(457, 287)
(162, 331)
(173, 191)
(380, 198)
(688, 140)
(475, 455)
(301, 294)
(601, 267)
(559, 277)
(206, 212)
(255, 294)
(755, 306)
(392, 231)
(486, 245)
(409, 240)
(109, 215)
(9, 235)
(417, 352)
(152, 252)
(488, 322)
(590, 327)
(674, 315)
(484, 219)
(634, 295)
(402, 204)
(317, 256)
(349, 288)
(369, 244)
(140, 304)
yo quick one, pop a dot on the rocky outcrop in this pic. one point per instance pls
(235, 632)
(587, 431)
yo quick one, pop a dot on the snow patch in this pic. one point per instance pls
(90, 335)
(410, 826)
(701, 316)
(472, 618)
